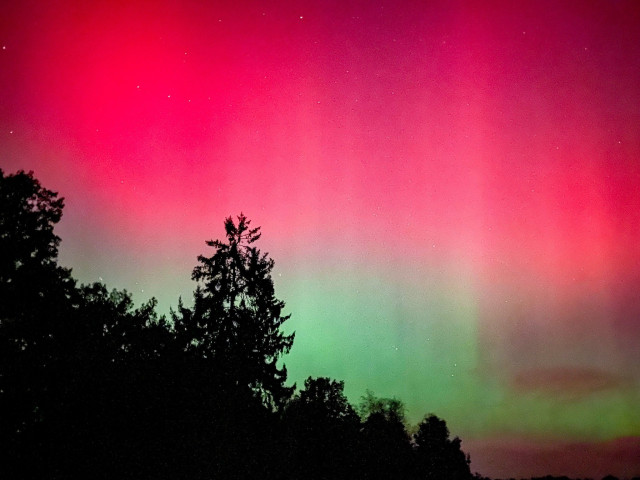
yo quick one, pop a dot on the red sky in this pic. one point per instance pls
(449, 190)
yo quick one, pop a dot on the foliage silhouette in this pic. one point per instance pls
(93, 387)
(387, 451)
(391, 409)
(35, 296)
(236, 320)
(439, 457)
(323, 431)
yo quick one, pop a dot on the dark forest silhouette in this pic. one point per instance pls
(93, 387)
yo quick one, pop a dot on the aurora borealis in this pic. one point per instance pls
(450, 191)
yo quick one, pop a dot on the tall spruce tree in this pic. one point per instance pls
(236, 320)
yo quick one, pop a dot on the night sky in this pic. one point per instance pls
(450, 191)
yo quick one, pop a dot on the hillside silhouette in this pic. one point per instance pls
(92, 386)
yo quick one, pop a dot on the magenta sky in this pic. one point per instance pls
(451, 191)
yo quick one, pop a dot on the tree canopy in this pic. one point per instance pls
(437, 454)
(93, 387)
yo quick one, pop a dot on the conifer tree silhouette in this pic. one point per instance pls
(236, 320)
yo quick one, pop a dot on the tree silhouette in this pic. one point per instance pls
(324, 431)
(437, 456)
(236, 320)
(114, 398)
(228, 383)
(324, 399)
(78, 366)
(35, 301)
(387, 448)
(391, 409)
(92, 387)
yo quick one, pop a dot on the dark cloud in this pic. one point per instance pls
(566, 381)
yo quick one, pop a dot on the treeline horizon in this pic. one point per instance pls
(92, 386)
